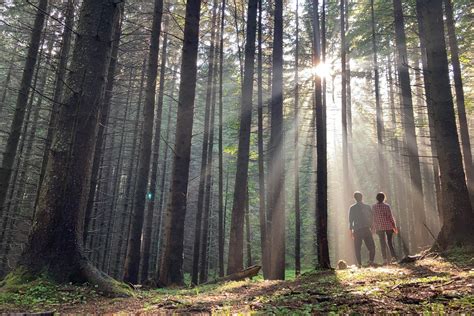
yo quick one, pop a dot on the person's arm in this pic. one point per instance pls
(351, 219)
(392, 220)
(372, 212)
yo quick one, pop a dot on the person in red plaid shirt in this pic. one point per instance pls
(384, 225)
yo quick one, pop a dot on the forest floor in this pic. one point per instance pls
(435, 284)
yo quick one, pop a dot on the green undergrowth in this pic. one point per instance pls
(22, 291)
(461, 256)
(42, 294)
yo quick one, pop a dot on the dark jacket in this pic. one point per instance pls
(360, 216)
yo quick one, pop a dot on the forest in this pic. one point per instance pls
(282, 157)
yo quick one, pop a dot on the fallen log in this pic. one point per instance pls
(243, 274)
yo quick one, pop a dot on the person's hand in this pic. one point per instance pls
(352, 234)
(395, 230)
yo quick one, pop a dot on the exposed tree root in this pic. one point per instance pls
(106, 284)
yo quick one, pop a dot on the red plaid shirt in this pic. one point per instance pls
(382, 217)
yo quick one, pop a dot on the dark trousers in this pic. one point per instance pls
(365, 235)
(384, 241)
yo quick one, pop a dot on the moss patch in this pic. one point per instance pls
(40, 294)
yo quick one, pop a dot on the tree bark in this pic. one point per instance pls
(248, 234)
(129, 185)
(103, 119)
(383, 185)
(236, 240)
(297, 159)
(262, 211)
(322, 242)
(54, 247)
(171, 268)
(345, 154)
(112, 210)
(409, 124)
(132, 261)
(458, 86)
(221, 232)
(145, 256)
(205, 144)
(58, 89)
(164, 177)
(457, 212)
(22, 100)
(348, 91)
(8, 79)
(276, 183)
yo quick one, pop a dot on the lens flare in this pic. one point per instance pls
(322, 70)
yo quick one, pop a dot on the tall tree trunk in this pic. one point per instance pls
(345, 154)
(21, 102)
(239, 49)
(145, 257)
(433, 140)
(207, 202)
(297, 157)
(261, 159)
(13, 212)
(235, 261)
(103, 119)
(54, 247)
(132, 261)
(382, 183)
(131, 171)
(27, 154)
(348, 90)
(276, 183)
(8, 79)
(409, 124)
(458, 86)
(221, 233)
(396, 176)
(164, 177)
(205, 143)
(58, 88)
(207, 221)
(171, 268)
(457, 212)
(322, 242)
(112, 210)
(248, 235)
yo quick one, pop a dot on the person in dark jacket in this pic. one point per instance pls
(360, 223)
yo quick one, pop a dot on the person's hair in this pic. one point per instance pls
(380, 197)
(358, 196)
